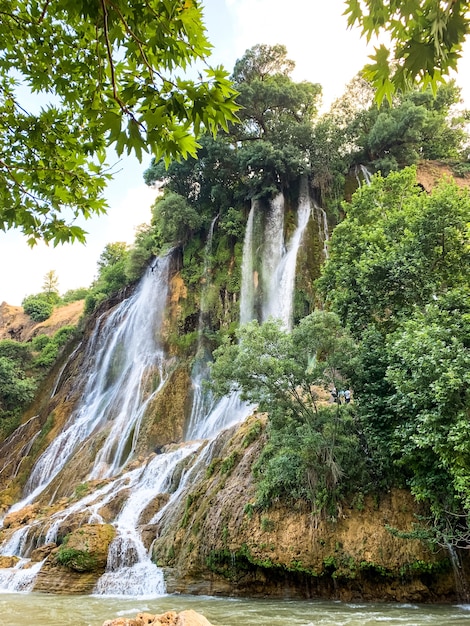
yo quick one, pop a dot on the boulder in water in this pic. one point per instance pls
(185, 618)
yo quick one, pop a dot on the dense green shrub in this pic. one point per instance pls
(72, 295)
(38, 307)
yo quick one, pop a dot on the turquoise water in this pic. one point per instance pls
(46, 610)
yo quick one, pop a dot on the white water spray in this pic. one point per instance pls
(123, 354)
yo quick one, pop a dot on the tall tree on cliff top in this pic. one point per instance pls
(108, 68)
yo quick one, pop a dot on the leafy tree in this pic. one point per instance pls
(426, 40)
(140, 253)
(398, 277)
(38, 307)
(310, 446)
(273, 106)
(418, 126)
(262, 61)
(15, 389)
(110, 71)
(111, 274)
(72, 295)
(429, 366)
(50, 347)
(16, 351)
(398, 247)
(113, 253)
(175, 219)
(209, 182)
(277, 369)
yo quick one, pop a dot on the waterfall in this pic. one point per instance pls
(273, 253)
(248, 285)
(461, 585)
(126, 369)
(136, 362)
(323, 230)
(364, 172)
(124, 358)
(275, 267)
(202, 401)
(129, 569)
(282, 280)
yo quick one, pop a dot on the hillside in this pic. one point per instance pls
(15, 324)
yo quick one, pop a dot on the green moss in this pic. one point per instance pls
(249, 509)
(81, 490)
(267, 525)
(187, 510)
(212, 467)
(252, 434)
(418, 568)
(229, 463)
(78, 560)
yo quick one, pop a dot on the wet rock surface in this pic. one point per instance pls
(171, 618)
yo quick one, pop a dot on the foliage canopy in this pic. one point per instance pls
(426, 40)
(107, 70)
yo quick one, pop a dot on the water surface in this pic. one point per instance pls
(47, 610)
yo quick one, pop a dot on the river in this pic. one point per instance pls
(47, 610)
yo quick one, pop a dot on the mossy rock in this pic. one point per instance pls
(86, 549)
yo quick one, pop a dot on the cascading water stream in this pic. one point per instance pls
(366, 175)
(248, 285)
(129, 569)
(273, 254)
(323, 230)
(282, 282)
(137, 363)
(272, 261)
(277, 269)
(127, 369)
(461, 583)
(123, 355)
(202, 401)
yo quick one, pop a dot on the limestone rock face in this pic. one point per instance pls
(8, 561)
(77, 564)
(217, 543)
(185, 618)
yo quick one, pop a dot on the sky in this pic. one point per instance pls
(325, 51)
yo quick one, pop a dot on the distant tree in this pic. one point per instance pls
(113, 253)
(175, 219)
(50, 286)
(111, 274)
(72, 295)
(273, 105)
(418, 126)
(143, 249)
(16, 389)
